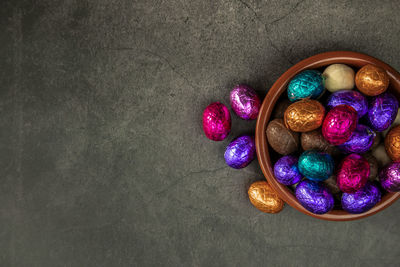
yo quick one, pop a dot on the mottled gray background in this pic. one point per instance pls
(103, 160)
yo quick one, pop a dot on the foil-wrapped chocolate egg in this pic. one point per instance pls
(286, 170)
(372, 80)
(314, 196)
(264, 198)
(392, 143)
(338, 77)
(389, 177)
(280, 138)
(361, 200)
(304, 116)
(373, 166)
(382, 111)
(315, 141)
(339, 124)
(351, 98)
(315, 165)
(306, 84)
(216, 121)
(245, 102)
(380, 154)
(240, 152)
(353, 173)
(360, 141)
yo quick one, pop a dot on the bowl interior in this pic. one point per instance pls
(267, 157)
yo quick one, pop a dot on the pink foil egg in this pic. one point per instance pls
(245, 102)
(339, 124)
(353, 173)
(216, 121)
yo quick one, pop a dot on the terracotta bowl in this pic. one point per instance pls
(267, 157)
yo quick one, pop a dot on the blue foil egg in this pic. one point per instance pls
(306, 84)
(240, 152)
(286, 170)
(361, 200)
(360, 141)
(315, 165)
(314, 196)
(382, 111)
(351, 98)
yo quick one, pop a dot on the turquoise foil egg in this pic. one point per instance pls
(315, 165)
(306, 84)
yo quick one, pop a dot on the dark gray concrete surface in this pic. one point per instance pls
(103, 160)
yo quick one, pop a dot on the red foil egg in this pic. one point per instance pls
(339, 124)
(353, 173)
(216, 121)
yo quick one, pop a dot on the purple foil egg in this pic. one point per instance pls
(361, 200)
(286, 170)
(314, 196)
(389, 177)
(216, 121)
(245, 102)
(382, 111)
(360, 141)
(240, 152)
(351, 98)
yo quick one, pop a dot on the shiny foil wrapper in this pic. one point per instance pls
(280, 138)
(304, 116)
(286, 171)
(307, 84)
(353, 173)
(339, 124)
(361, 200)
(216, 121)
(314, 196)
(245, 102)
(382, 111)
(389, 177)
(360, 141)
(264, 198)
(315, 141)
(372, 80)
(315, 165)
(240, 152)
(351, 98)
(392, 143)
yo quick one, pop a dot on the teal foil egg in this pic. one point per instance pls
(315, 165)
(306, 84)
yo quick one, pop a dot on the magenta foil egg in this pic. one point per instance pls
(382, 111)
(216, 121)
(389, 177)
(353, 173)
(360, 141)
(339, 124)
(361, 200)
(240, 152)
(245, 102)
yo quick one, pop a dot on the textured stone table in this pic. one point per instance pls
(103, 160)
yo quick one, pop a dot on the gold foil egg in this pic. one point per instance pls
(264, 198)
(304, 116)
(392, 143)
(372, 80)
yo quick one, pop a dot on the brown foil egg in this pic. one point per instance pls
(304, 116)
(315, 141)
(372, 80)
(263, 197)
(392, 143)
(281, 139)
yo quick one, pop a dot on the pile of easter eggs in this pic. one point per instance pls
(338, 138)
(241, 151)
